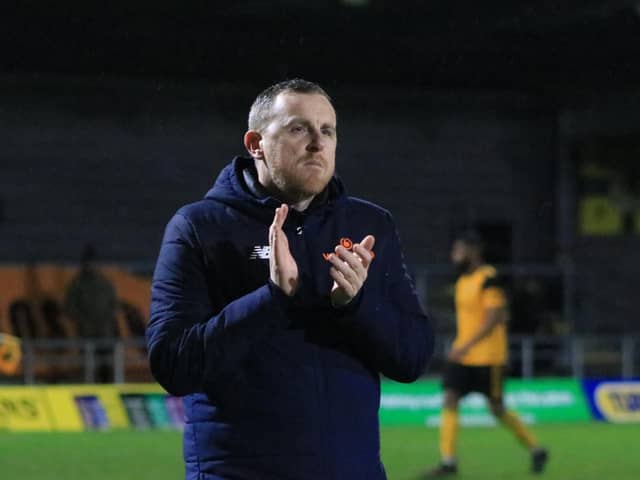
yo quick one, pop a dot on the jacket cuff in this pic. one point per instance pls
(350, 308)
(281, 301)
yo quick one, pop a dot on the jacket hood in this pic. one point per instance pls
(231, 188)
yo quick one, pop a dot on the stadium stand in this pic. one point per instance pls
(31, 299)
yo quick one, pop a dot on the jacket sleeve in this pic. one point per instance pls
(189, 343)
(388, 328)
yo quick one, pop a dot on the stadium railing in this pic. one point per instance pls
(81, 361)
(550, 341)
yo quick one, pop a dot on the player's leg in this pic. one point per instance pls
(449, 427)
(512, 421)
(454, 384)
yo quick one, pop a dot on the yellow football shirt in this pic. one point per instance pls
(474, 294)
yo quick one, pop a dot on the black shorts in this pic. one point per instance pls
(465, 379)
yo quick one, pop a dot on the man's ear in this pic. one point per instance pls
(252, 144)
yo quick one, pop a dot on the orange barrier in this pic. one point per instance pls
(35, 282)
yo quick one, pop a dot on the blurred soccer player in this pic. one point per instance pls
(271, 321)
(477, 359)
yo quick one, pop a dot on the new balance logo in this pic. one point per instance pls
(260, 252)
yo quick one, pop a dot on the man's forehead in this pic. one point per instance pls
(292, 103)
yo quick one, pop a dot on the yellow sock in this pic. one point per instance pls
(448, 433)
(512, 422)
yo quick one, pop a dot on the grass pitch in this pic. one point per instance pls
(578, 451)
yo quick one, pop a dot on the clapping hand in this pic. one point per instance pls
(349, 270)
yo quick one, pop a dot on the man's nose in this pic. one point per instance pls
(315, 143)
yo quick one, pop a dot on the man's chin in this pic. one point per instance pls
(319, 187)
(315, 184)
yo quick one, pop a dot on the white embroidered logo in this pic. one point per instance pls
(260, 252)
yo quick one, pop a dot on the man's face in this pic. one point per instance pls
(299, 145)
(461, 255)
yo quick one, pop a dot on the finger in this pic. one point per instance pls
(284, 211)
(342, 282)
(272, 234)
(273, 253)
(275, 241)
(273, 230)
(280, 247)
(345, 270)
(349, 285)
(352, 260)
(273, 227)
(365, 255)
(364, 250)
(350, 273)
(280, 216)
(368, 242)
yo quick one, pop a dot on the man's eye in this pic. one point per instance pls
(297, 129)
(328, 132)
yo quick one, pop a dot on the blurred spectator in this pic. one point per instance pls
(56, 322)
(135, 322)
(91, 304)
(22, 321)
(91, 300)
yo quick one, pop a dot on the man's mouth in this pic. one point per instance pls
(313, 163)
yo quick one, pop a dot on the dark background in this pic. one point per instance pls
(451, 114)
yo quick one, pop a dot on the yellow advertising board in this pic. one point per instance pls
(24, 409)
(88, 407)
(81, 407)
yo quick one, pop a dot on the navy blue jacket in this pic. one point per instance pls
(279, 387)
